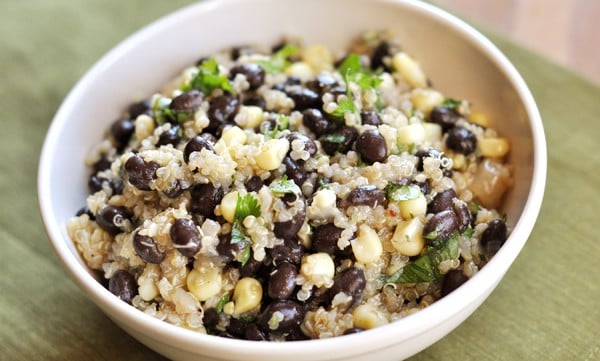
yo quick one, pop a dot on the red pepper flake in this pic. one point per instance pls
(392, 213)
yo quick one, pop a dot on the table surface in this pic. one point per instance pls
(545, 308)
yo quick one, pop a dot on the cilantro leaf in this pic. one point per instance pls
(282, 123)
(398, 192)
(208, 79)
(285, 186)
(246, 206)
(221, 303)
(278, 61)
(344, 106)
(237, 233)
(353, 70)
(451, 103)
(334, 138)
(162, 112)
(244, 255)
(426, 267)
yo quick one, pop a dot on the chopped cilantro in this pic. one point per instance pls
(162, 112)
(475, 207)
(468, 232)
(244, 255)
(426, 267)
(237, 233)
(284, 186)
(282, 123)
(221, 303)
(208, 79)
(353, 70)
(398, 192)
(344, 106)
(431, 235)
(451, 103)
(278, 61)
(334, 138)
(246, 206)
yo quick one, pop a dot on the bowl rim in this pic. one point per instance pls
(408, 327)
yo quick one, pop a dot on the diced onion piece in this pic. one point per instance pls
(490, 182)
(408, 237)
(271, 153)
(367, 245)
(410, 70)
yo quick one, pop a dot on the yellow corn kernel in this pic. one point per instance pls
(411, 208)
(271, 153)
(367, 245)
(366, 317)
(410, 70)
(480, 118)
(408, 237)
(204, 283)
(426, 99)
(433, 132)
(459, 161)
(246, 295)
(228, 204)
(144, 126)
(249, 116)
(318, 268)
(493, 147)
(234, 135)
(412, 134)
(318, 57)
(300, 70)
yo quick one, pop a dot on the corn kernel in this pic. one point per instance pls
(367, 245)
(144, 126)
(426, 99)
(411, 134)
(480, 118)
(271, 153)
(246, 295)
(408, 237)
(234, 135)
(204, 283)
(410, 70)
(493, 147)
(300, 70)
(433, 132)
(249, 116)
(318, 268)
(411, 208)
(318, 57)
(323, 204)
(228, 204)
(366, 317)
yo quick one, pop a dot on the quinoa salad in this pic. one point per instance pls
(293, 192)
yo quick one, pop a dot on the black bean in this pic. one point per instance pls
(252, 332)
(256, 101)
(339, 141)
(353, 330)
(325, 238)
(227, 250)
(170, 136)
(463, 215)
(440, 226)
(290, 251)
(121, 131)
(323, 83)
(123, 285)
(370, 117)
(309, 144)
(186, 237)
(85, 210)
(95, 183)
(381, 52)
(452, 280)
(461, 140)
(139, 108)
(196, 144)
(430, 153)
(237, 327)
(289, 229)
(140, 173)
(442, 201)
(251, 268)
(367, 195)
(290, 81)
(175, 189)
(352, 282)
(292, 312)
(425, 187)
(314, 120)
(295, 171)
(371, 146)
(493, 237)
(254, 73)
(210, 318)
(254, 184)
(204, 199)
(304, 98)
(113, 219)
(444, 116)
(238, 51)
(221, 111)
(102, 164)
(282, 282)
(147, 249)
(187, 102)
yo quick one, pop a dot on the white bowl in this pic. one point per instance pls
(460, 61)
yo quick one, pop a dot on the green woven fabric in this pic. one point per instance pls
(546, 308)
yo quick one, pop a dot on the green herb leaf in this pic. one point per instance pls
(278, 61)
(221, 303)
(426, 267)
(246, 206)
(451, 103)
(334, 138)
(208, 79)
(344, 106)
(237, 233)
(244, 255)
(284, 186)
(282, 123)
(468, 233)
(398, 192)
(475, 207)
(162, 112)
(353, 70)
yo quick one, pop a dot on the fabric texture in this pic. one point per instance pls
(546, 308)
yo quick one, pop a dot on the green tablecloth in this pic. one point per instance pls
(547, 307)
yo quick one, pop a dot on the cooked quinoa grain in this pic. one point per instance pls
(293, 193)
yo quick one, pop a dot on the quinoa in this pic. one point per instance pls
(294, 193)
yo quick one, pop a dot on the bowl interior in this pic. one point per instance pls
(457, 60)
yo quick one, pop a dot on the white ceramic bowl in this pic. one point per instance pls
(459, 60)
